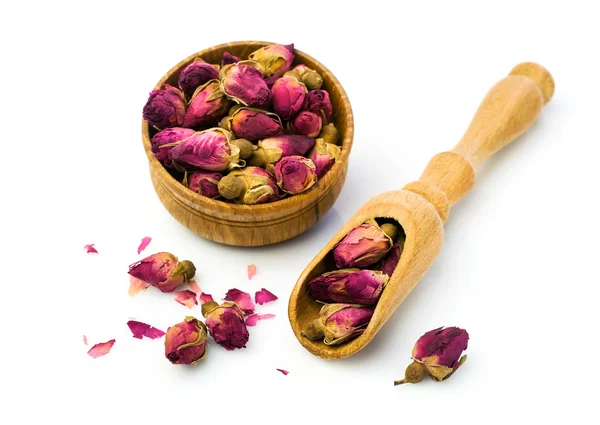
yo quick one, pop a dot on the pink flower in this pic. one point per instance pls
(204, 183)
(228, 59)
(318, 101)
(163, 270)
(207, 106)
(207, 150)
(306, 123)
(196, 74)
(244, 84)
(295, 174)
(274, 59)
(254, 124)
(338, 323)
(353, 286)
(225, 323)
(185, 342)
(165, 108)
(288, 97)
(363, 246)
(169, 137)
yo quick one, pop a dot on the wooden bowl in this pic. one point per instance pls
(254, 225)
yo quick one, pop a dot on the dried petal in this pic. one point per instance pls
(295, 174)
(363, 246)
(244, 84)
(207, 106)
(186, 298)
(251, 272)
(145, 241)
(253, 319)
(140, 330)
(324, 156)
(204, 298)
(165, 140)
(136, 285)
(185, 342)
(85, 340)
(285, 372)
(89, 248)
(306, 123)
(101, 349)
(165, 108)
(204, 183)
(208, 150)
(242, 299)
(288, 97)
(353, 286)
(194, 286)
(196, 74)
(264, 296)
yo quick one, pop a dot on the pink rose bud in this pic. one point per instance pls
(207, 150)
(204, 182)
(324, 155)
(306, 123)
(225, 323)
(273, 149)
(185, 342)
(338, 323)
(249, 185)
(437, 353)
(168, 136)
(301, 68)
(275, 59)
(363, 246)
(244, 84)
(228, 59)
(207, 106)
(165, 108)
(353, 286)
(254, 124)
(288, 97)
(163, 271)
(318, 101)
(195, 75)
(295, 174)
(389, 263)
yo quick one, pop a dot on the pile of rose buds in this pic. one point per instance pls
(245, 131)
(366, 258)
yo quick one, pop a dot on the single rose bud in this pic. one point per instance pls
(165, 108)
(352, 286)
(318, 101)
(338, 323)
(255, 124)
(295, 174)
(207, 106)
(288, 97)
(244, 84)
(246, 148)
(438, 353)
(312, 80)
(204, 182)
(324, 155)
(207, 150)
(228, 59)
(195, 75)
(301, 68)
(168, 136)
(225, 323)
(275, 59)
(271, 150)
(249, 185)
(306, 123)
(185, 342)
(389, 263)
(163, 271)
(330, 134)
(363, 246)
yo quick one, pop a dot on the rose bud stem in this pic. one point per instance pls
(330, 134)
(246, 147)
(293, 73)
(314, 330)
(312, 80)
(231, 187)
(391, 230)
(415, 372)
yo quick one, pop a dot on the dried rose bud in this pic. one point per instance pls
(437, 353)
(225, 123)
(246, 148)
(330, 134)
(353, 286)
(204, 182)
(225, 323)
(294, 74)
(244, 84)
(228, 59)
(318, 101)
(196, 74)
(168, 136)
(338, 323)
(306, 123)
(165, 108)
(363, 246)
(389, 263)
(274, 148)
(207, 106)
(163, 270)
(288, 97)
(185, 342)
(301, 68)
(249, 185)
(275, 59)
(324, 155)
(295, 174)
(254, 124)
(208, 150)
(312, 80)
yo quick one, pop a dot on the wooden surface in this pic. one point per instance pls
(254, 225)
(509, 108)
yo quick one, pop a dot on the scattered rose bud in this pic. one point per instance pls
(275, 59)
(251, 272)
(204, 182)
(170, 137)
(288, 97)
(165, 108)
(363, 246)
(301, 68)
(437, 353)
(312, 80)
(228, 59)
(208, 150)
(196, 74)
(207, 106)
(318, 101)
(186, 298)
(389, 263)
(101, 349)
(271, 150)
(247, 149)
(225, 323)
(253, 319)
(324, 156)
(244, 84)
(352, 286)
(264, 296)
(338, 323)
(145, 242)
(89, 249)
(249, 185)
(295, 174)
(306, 123)
(285, 372)
(330, 134)
(242, 299)
(185, 342)
(141, 330)
(254, 124)
(163, 270)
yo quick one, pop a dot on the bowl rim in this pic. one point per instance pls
(296, 203)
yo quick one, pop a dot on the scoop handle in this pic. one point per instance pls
(508, 110)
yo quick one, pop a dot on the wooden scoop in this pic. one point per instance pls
(422, 207)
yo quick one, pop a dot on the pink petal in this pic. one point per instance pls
(85, 340)
(251, 271)
(194, 286)
(89, 248)
(145, 241)
(263, 296)
(136, 285)
(204, 298)
(253, 319)
(140, 330)
(186, 298)
(101, 349)
(242, 299)
(285, 372)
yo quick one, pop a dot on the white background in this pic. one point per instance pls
(518, 269)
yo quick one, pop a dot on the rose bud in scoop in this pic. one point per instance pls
(168, 136)
(353, 286)
(389, 263)
(244, 84)
(165, 108)
(204, 182)
(163, 271)
(295, 174)
(288, 97)
(324, 155)
(338, 323)
(364, 245)
(275, 59)
(318, 101)
(207, 106)
(196, 74)
(249, 185)
(254, 124)
(306, 123)
(228, 59)
(208, 150)
(225, 323)
(185, 342)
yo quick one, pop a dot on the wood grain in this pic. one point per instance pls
(254, 225)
